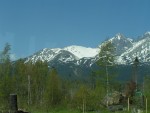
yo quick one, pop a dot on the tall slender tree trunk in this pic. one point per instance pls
(52, 95)
(107, 85)
(29, 90)
(83, 106)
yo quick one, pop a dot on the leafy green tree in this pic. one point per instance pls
(81, 98)
(19, 75)
(86, 99)
(38, 78)
(53, 89)
(92, 81)
(5, 54)
(5, 75)
(5, 64)
(67, 92)
(146, 90)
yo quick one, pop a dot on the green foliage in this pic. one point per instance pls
(106, 54)
(41, 89)
(81, 97)
(5, 78)
(5, 54)
(53, 88)
(106, 65)
(147, 90)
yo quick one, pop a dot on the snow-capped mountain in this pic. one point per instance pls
(78, 61)
(82, 52)
(67, 54)
(126, 51)
(121, 43)
(71, 62)
(140, 49)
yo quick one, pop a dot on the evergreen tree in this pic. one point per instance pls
(106, 60)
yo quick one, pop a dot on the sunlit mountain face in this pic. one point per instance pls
(79, 61)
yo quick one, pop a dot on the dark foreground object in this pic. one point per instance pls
(14, 106)
(13, 103)
(114, 108)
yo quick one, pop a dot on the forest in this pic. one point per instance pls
(41, 89)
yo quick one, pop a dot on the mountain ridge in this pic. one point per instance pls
(78, 62)
(126, 50)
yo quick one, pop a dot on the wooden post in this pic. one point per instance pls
(128, 104)
(146, 105)
(13, 103)
(29, 90)
(83, 105)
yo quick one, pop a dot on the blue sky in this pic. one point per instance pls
(31, 25)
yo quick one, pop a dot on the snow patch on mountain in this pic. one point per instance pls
(82, 52)
(140, 49)
(66, 54)
(147, 33)
(121, 43)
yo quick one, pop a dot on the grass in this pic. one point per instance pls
(76, 111)
(68, 110)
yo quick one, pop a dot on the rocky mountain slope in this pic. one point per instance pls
(140, 49)
(77, 54)
(78, 60)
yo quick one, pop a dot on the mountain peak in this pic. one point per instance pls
(119, 36)
(126, 51)
(147, 34)
(121, 43)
